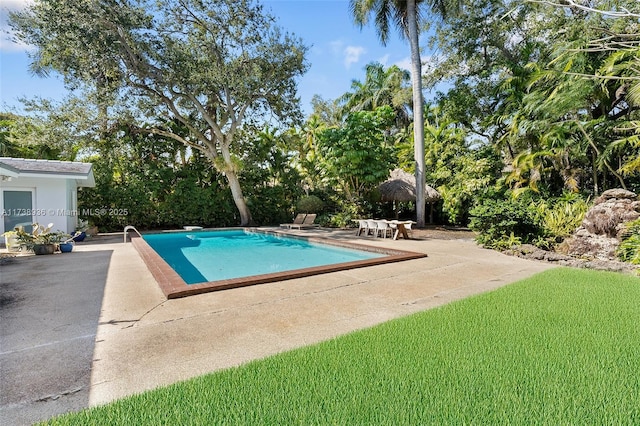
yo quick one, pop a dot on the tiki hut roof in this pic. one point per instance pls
(401, 186)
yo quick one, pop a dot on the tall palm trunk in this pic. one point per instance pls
(418, 110)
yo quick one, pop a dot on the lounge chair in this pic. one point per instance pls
(299, 220)
(306, 223)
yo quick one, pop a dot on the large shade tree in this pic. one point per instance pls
(551, 88)
(206, 65)
(357, 156)
(404, 14)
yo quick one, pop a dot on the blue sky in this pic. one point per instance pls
(338, 52)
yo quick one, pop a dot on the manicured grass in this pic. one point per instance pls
(560, 348)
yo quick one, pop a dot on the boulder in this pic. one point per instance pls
(533, 253)
(617, 193)
(600, 233)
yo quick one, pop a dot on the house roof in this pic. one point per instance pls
(23, 167)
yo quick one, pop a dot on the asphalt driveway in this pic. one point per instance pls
(49, 312)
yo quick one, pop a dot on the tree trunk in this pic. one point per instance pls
(418, 114)
(238, 198)
(234, 182)
(594, 167)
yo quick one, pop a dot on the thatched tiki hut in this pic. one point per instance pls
(401, 187)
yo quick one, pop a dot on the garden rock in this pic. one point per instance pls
(601, 231)
(531, 252)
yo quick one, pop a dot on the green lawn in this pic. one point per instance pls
(560, 348)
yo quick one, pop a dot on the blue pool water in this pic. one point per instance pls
(217, 255)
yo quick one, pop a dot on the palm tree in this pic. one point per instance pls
(404, 14)
(381, 87)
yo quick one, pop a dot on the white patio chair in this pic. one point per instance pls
(362, 226)
(372, 227)
(384, 228)
(407, 226)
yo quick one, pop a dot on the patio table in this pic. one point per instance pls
(400, 228)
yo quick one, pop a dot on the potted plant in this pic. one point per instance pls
(66, 246)
(81, 231)
(41, 240)
(11, 241)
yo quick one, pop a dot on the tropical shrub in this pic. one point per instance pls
(562, 217)
(463, 180)
(188, 203)
(499, 222)
(629, 249)
(310, 204)
(458, 167)
(269, 205)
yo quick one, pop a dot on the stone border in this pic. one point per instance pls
(173, 286)
(530, 252)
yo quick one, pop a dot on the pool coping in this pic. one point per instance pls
(173, 286)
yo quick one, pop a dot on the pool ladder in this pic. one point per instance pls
(130, 228)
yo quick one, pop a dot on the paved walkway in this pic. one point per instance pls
(144, 341)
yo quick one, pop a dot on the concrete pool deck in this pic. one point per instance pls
(144, 341)
(86, 328)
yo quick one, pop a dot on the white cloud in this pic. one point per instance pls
(404, 64)
(348, 53)
(352, 55)
(336, 46)
(384, 60)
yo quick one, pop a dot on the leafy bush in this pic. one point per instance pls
(269, 205)
(506, 243)
(344, 216)
(499, 222)
(310, 204)
(561, 217)
(356, 157)
(502, 220)
(629, 249)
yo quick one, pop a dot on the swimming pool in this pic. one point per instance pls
(186, 263)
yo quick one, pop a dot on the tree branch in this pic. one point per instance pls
(176, 137)
(176, 114)
(623, 13)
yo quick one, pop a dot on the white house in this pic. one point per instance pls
(42, 191)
